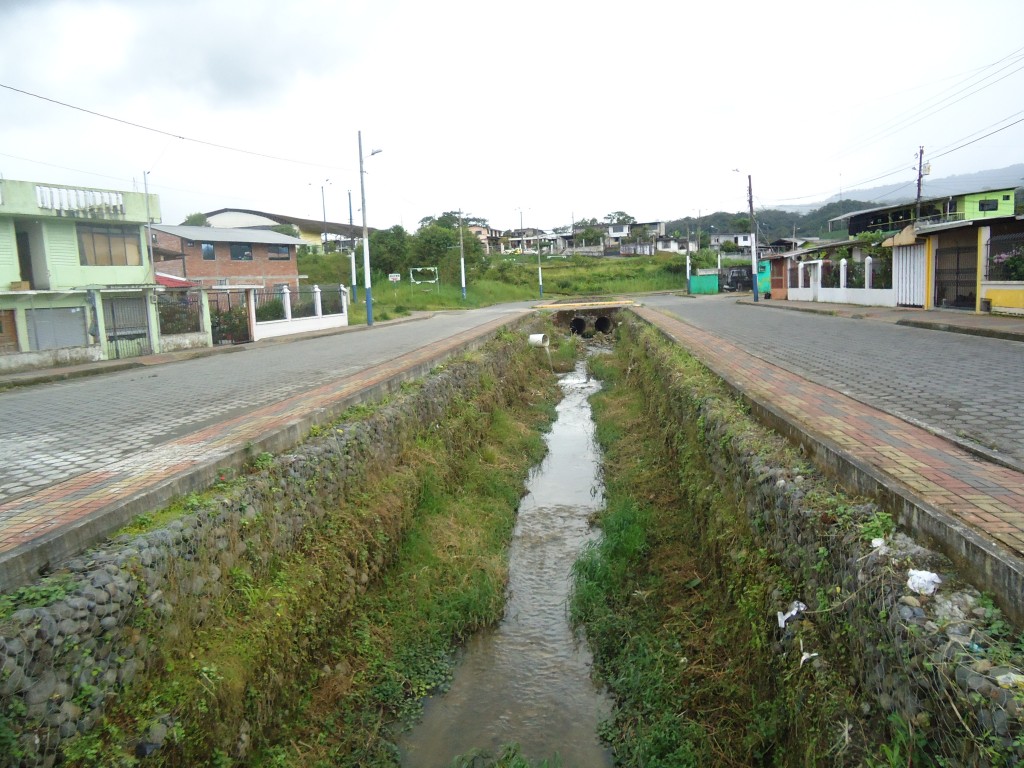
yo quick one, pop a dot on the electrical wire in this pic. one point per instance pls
(920, 113)
(941, 152)
(169, 133)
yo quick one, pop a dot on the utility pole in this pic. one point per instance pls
(150, 264)
(920, 167)
(753, 236)
(352, 255)
(366, 235)
(323, 202)
(462, 258)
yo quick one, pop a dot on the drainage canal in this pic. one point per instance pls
(527, 681)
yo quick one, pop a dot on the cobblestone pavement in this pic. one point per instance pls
(67, 448)
(987, 497)
(968, 388)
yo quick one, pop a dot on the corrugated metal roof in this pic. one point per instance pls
(222, 235)
(310, 225)
(911, 203)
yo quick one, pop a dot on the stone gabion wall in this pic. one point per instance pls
(935, 661)
(60, 664)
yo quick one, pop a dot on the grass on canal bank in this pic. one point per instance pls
(321, 679)
(447, 581)
(676, 600)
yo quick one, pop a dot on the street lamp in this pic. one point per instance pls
(366, 233)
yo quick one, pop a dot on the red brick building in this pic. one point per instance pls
(212, 256)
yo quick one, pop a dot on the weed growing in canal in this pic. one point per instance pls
(677, 597)
(311, 652)
(447, 582)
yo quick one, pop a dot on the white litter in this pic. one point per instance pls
(1011, 680)
(794, 608)
(922, 582)
(804, 656)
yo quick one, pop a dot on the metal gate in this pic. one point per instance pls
(229, 317)
(127, 325)
(956, 276)
(908, 275)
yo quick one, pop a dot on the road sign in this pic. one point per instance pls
(394, 277)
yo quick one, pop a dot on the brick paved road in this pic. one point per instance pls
(967, 387)
(58, 431)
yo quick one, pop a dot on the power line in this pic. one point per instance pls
(168, 133)
(899, 122)
(980, 138)
(62, 167)
(939, 153)
(975, 133)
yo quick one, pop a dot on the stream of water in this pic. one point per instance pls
(527, 681)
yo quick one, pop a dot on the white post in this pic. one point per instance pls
(316, 301)
(842, 273)
(352, 258)
(800, 275)
(286, 299)
(867, 272)
(462, 258)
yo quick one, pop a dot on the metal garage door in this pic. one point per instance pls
(908, 275)
(127, 324)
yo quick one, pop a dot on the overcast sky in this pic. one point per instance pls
(544, 109)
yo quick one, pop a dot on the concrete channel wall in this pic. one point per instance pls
(933, 661)
(60, 663)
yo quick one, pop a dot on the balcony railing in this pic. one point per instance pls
(944, 218)
(79, 202)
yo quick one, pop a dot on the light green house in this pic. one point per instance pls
(76, 277)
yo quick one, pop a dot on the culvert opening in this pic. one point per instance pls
(578, 325)
(603, 324)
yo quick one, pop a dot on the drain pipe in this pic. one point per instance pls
(539, 340)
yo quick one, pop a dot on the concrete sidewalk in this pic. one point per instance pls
(969, 508)
(953, 320)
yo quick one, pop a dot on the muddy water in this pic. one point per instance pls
(528, 681)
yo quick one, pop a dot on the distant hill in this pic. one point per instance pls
(902, 191)
(811, 220)
(771, 223)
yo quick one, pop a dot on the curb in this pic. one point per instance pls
(930, 325)
(991, 333)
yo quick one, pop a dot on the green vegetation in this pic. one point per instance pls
(35, 595)
(309, 650)
(447, 581)
(677, 597)
(772, 224)
(196, 219)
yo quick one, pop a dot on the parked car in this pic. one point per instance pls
(735, 279)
